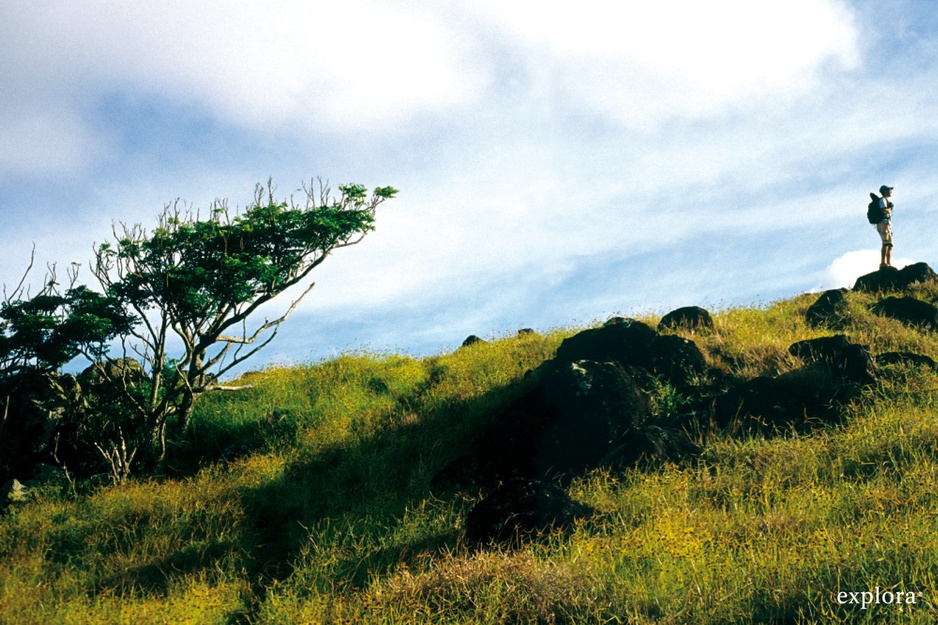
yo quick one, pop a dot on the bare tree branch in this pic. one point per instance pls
(269, 324)
(18, 291)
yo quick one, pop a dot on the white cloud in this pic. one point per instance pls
(846, 268)
(345, 66)
(317, 64)
(342, 65)
(642, 63)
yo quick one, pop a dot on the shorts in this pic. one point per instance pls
(885, 232)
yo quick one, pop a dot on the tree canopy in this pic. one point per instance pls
(192, 280)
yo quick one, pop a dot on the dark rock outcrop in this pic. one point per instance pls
(122, 371)
(792, 400)
(626, 341)
(883, 279)
(688, 317)
(471, 340)
(588, 407)
(892, 279)
(828, 309)
(678, 359)
(653, 445)
(836, 371)
(522, 509)
(916, 273)
(633, 343)
(589, 401)
(573, 416)
(908, 310)
(847, 361)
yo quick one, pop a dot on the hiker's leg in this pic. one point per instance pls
(885, 253)
(888, 243)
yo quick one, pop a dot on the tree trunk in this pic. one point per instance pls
(184, 413)
(158, 438)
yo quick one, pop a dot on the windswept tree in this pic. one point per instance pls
(195, 286)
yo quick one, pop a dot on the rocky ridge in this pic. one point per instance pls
(588, 407)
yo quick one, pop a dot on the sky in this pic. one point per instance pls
(558, 163)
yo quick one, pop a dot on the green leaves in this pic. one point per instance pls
(198, 267)
(49, 329)
(385, 192)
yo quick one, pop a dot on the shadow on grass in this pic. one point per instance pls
(355, 498)
(156, 577)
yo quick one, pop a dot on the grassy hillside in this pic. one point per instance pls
(307, 500)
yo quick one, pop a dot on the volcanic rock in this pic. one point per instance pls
(892, 279)
(471, 340)
(908, 310)
(848, 361)
(521, 509)
(827, 309)
(572, 417)
(689, 317)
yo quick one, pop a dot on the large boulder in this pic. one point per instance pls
(908, 310)
(835, 373)
(917, 273)
(795, 400)
(828, 309)
(626, 341)
(120, 371)
(688, 317)
(849, 362)
(522, 509)
(883, 279)
(588, 407)
(574, 414)
(633, 343)
(679, 360)
(652, 445)
(892, 279)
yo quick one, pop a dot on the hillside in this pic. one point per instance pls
(325, 494)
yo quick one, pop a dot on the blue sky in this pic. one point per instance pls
(557, 162)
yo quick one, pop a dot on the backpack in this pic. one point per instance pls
(873, 211)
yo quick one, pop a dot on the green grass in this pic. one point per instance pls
(307, 499)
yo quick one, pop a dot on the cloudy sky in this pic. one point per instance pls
(558, 162)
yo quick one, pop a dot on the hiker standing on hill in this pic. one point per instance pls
(884, 227)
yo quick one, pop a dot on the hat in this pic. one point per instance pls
(884, 188)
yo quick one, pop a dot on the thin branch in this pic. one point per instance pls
(269, 324)
(237, 360)
(18, 291)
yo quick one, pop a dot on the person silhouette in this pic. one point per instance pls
(884, 227)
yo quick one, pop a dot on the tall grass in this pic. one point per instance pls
(307, 499)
